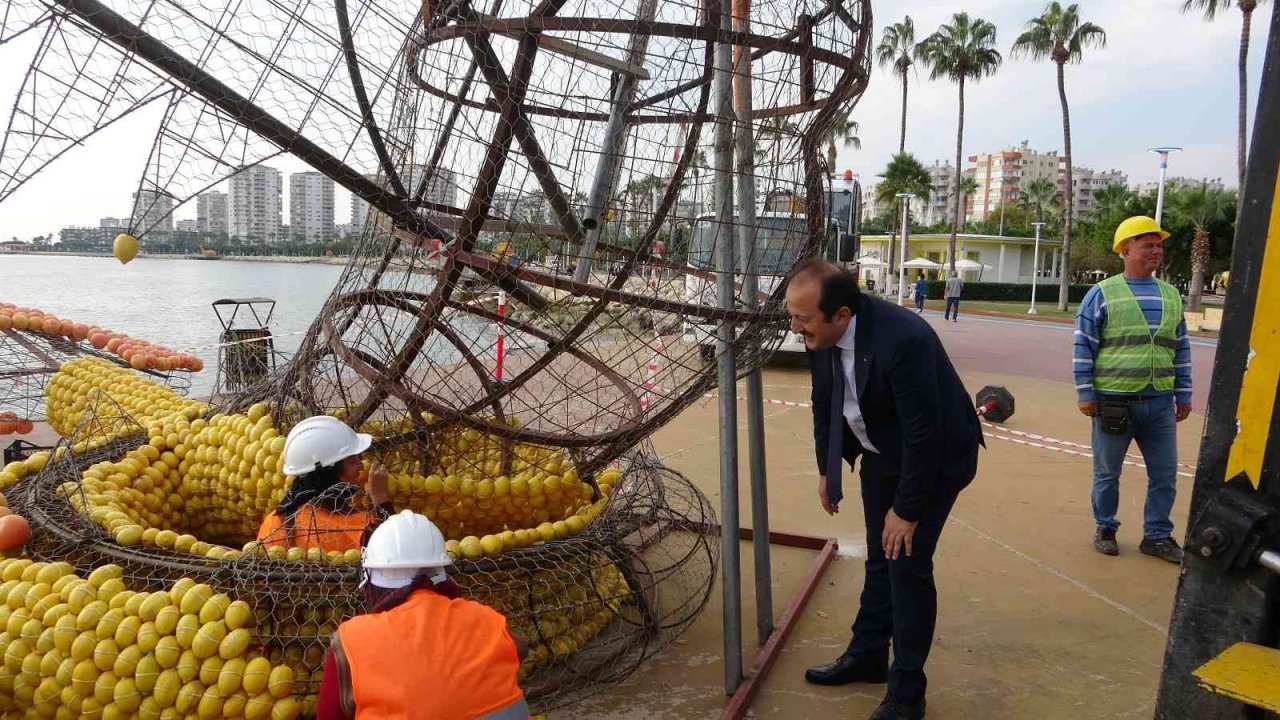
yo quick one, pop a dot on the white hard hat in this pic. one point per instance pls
(406, 541)
(320, 441)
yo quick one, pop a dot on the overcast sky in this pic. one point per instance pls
(1164, 79)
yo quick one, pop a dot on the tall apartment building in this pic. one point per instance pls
(253, 210)
(1002, 175)
(442, 190)
(936, 207)
(310, 207)
(152, 213)
(110, 222)
(1085, 183)
(1177, 183)
(211, 213)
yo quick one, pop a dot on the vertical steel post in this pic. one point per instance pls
(730, 570)
(1218, 603)
(747, 260)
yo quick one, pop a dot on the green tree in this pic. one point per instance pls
(844, 132)
(963, 50)
(1058, 35)
(1200, 207)
(904, 173)
(897, 46)
(1211, 8)
(1041, 198)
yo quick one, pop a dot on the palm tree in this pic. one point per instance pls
(1211, 9)
(1200, 207)
(963, 50)
(904, 173)
(1040, 197)
(844, 131)
(896, 48)
(968, 186)
(1110, 198)
(1059, 36)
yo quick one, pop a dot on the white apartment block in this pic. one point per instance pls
(441, 190)
(152, 213)
(185, 226)
(1086, 182)
(1002, 175)
(253, 211)
(211, 213)
(110, 222)
(1176, 183)
(937, 207)
(310, 207)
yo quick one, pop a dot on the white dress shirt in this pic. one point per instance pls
(852, 412)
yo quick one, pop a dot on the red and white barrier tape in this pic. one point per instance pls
(1045, 442)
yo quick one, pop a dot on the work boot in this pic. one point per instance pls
(894, 709)
(1104, 541)
(1165, 549)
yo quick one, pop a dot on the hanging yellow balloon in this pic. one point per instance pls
(125, 248)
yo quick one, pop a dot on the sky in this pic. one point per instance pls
(1164, 78)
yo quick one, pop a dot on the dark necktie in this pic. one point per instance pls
(835, 431)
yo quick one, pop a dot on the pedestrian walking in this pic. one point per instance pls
(922, 289)
(1132, 363)
(955, 286)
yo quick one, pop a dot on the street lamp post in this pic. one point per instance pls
(905, 197)
(1035, 269)
(1164, 153)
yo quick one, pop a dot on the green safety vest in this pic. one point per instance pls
(1131, 358)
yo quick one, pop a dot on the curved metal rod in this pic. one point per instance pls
(362, 98)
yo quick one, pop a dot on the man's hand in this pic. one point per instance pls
(378, 483)
(1088, 407)
(830, 507)
(896, 538)
(1183, 411)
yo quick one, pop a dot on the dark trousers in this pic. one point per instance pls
(953, 303)
(899, 600)
(919, 301)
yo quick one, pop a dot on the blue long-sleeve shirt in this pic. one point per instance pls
(1092, 317)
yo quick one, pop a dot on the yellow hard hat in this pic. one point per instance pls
(1135, 226)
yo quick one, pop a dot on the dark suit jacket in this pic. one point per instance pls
(917, 411)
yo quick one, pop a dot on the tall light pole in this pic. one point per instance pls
(905, 197)
(1035, 268)
(1164, 153)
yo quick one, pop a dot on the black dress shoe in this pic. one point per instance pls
(845, 669)
(894, 709)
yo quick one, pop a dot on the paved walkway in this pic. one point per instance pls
(1032, 624)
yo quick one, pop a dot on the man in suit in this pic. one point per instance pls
(884, 390)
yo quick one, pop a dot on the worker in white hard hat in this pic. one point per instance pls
(322, 506)
(422, 650)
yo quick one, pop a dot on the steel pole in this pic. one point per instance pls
(747, 259)
(1164, 168)
(902, 253)
(730, 570)
(1035, 269)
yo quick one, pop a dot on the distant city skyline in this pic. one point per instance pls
(1165, 78)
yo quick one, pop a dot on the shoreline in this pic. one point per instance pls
(306, 259)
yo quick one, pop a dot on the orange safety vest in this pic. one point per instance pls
(314, 527)
(432, 657)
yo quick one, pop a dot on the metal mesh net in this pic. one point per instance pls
(533, 293)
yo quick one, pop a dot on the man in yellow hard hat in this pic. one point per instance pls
(1132, 364)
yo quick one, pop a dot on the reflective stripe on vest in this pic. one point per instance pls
(1131, 357)
(432, 657)
(314, 527)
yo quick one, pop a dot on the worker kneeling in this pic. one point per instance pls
(422, 651)
(322, 507)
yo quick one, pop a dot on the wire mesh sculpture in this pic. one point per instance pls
(527, 303)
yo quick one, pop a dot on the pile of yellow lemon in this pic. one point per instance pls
(202, 486)
(80, 647)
